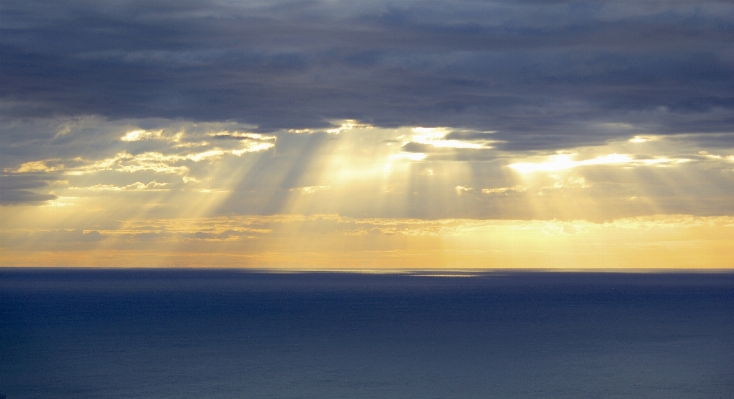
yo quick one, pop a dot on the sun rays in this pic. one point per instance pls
(359, 196)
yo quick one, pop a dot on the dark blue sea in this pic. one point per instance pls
(69, 333)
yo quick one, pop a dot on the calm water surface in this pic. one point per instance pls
(230, 334)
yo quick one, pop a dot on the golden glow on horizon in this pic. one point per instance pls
(666, 241)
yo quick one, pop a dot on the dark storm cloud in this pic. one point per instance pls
(542, 75)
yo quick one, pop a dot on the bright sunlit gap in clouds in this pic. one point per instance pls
(566, 161)
(360, 196)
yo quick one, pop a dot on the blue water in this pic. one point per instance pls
(231, 334)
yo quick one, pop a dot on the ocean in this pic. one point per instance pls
(167, 333)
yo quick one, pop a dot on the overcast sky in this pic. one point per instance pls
(147, 129)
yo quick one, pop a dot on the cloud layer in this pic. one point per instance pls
(544, 75)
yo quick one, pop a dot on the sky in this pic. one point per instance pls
(370, 135)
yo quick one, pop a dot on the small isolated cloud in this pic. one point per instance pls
(252, 146)
(566, 182)
(504, 190)
(336, 127)
(244, 136)
(348, 124)
(137, 186)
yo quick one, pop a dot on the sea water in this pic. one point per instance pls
(68, 333)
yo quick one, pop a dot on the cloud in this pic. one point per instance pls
(11, 197)
(244, 136)
(53, 236)
(104, 151)
(505, 190)
(369, 171)
(137, 186)
(137, 135)
(542, 75)
(24, 189)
